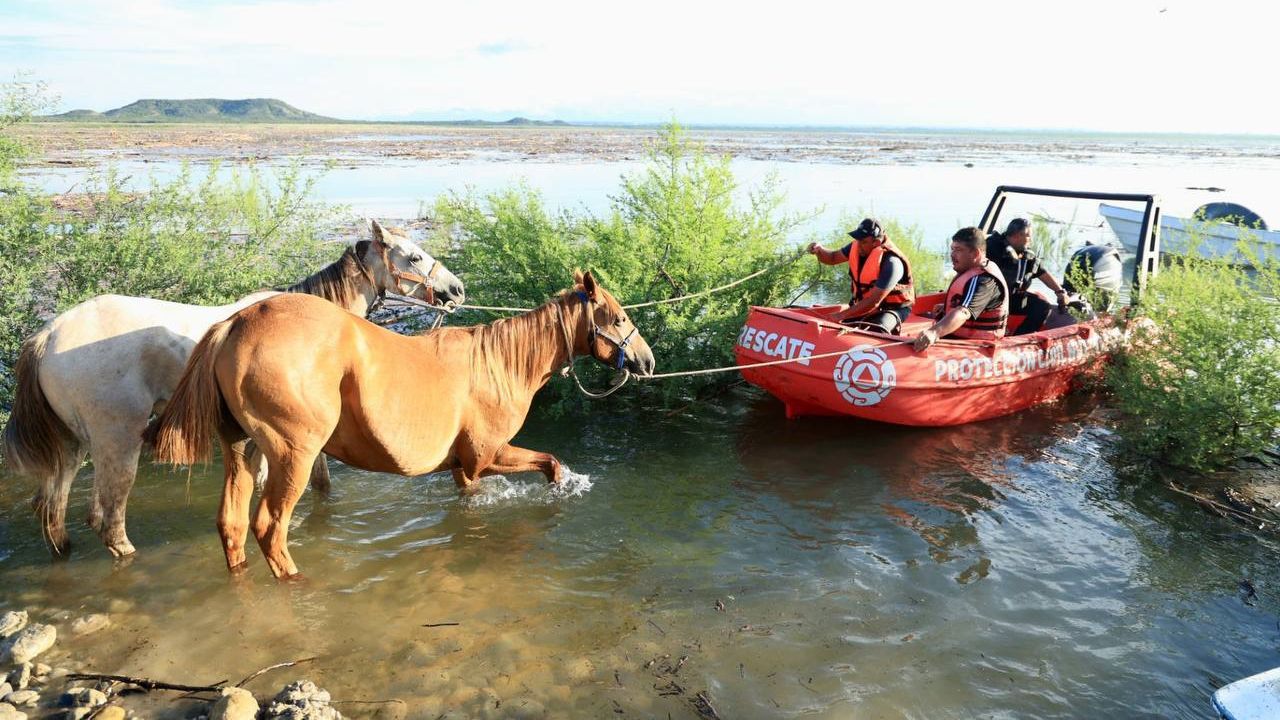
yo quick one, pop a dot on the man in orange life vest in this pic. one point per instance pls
(880, 275)
(977, 302)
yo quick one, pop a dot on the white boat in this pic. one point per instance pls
(1210, 238)
(1253, 698)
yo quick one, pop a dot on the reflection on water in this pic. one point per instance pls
(998, 569)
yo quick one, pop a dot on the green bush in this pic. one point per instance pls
(1199, 383)
(206, 240)
(673, 229)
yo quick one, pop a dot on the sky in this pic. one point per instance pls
(1123, 65)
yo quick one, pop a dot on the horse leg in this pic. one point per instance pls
(50, 502)
(319, 472)
(286, 479)
(115, 467)
(237, 491)
(257, 465)
(511, 459)
(320, 475)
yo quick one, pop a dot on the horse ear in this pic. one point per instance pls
(589, 284)
(377, 232)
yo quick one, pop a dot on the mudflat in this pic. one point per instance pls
(89, 143)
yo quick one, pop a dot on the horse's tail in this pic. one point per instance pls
(182, 434)
(36, 440)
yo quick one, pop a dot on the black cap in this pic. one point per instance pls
(867, 228)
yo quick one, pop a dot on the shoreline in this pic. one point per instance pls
(70, 144)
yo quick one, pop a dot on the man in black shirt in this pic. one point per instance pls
(976, 305)
(1020, 265)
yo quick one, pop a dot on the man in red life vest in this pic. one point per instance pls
(880, 278)
(977, 303)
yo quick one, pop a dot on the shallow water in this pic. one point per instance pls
(939, 196)
(999, 570)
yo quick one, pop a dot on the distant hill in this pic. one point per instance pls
(199, 110)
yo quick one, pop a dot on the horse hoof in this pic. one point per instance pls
(121, 551)
(239, 568)
(296, 578)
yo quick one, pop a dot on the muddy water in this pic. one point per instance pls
(1003, 569)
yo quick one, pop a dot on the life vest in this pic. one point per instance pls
(864, 273)
(988, 324)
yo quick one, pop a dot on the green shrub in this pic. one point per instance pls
(1199, 383)
(207, 241)
(673, 229)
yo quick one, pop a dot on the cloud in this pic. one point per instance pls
(1095, 64)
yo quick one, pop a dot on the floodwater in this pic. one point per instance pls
(938, 195)
(817, 568)
(1002, 569)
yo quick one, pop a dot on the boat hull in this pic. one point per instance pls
(1209, 239)
(880, 377)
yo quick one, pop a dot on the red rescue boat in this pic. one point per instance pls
(839, 370)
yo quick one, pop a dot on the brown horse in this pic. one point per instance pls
(298, 377)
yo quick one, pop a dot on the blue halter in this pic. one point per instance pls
(595, 330)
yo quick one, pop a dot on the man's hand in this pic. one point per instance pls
(1062, 301)
(924, 340)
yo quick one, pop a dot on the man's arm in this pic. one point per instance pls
(829, 257)
(978, 295)
(1053, 285)
(949, 323)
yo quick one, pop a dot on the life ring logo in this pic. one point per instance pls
(864, 375)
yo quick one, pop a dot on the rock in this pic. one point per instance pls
(5, 689)
(9, 712)
(41, 669)
(20, 678)
(579, 670)
(234, 704)
(302, 700)
(78, 713)
(115, 712)
(18, 698)
(12, 621)
(82, 697)
(89, 624)
(119, 605)
(29, 642)
(57, 674)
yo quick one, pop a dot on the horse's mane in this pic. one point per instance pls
(518, 350)
(339, 283)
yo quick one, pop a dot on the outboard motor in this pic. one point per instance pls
(1102, 265)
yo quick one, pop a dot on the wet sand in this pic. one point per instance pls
(87, 144)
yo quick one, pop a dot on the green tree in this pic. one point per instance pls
(677, 227)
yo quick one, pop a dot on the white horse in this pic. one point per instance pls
(89, 381)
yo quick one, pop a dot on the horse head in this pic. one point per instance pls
(401, 267)
(611, 337)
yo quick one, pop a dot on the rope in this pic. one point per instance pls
(728, 368)
(755, 274)
(569, 371)
(739, 281)
(495, 308)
